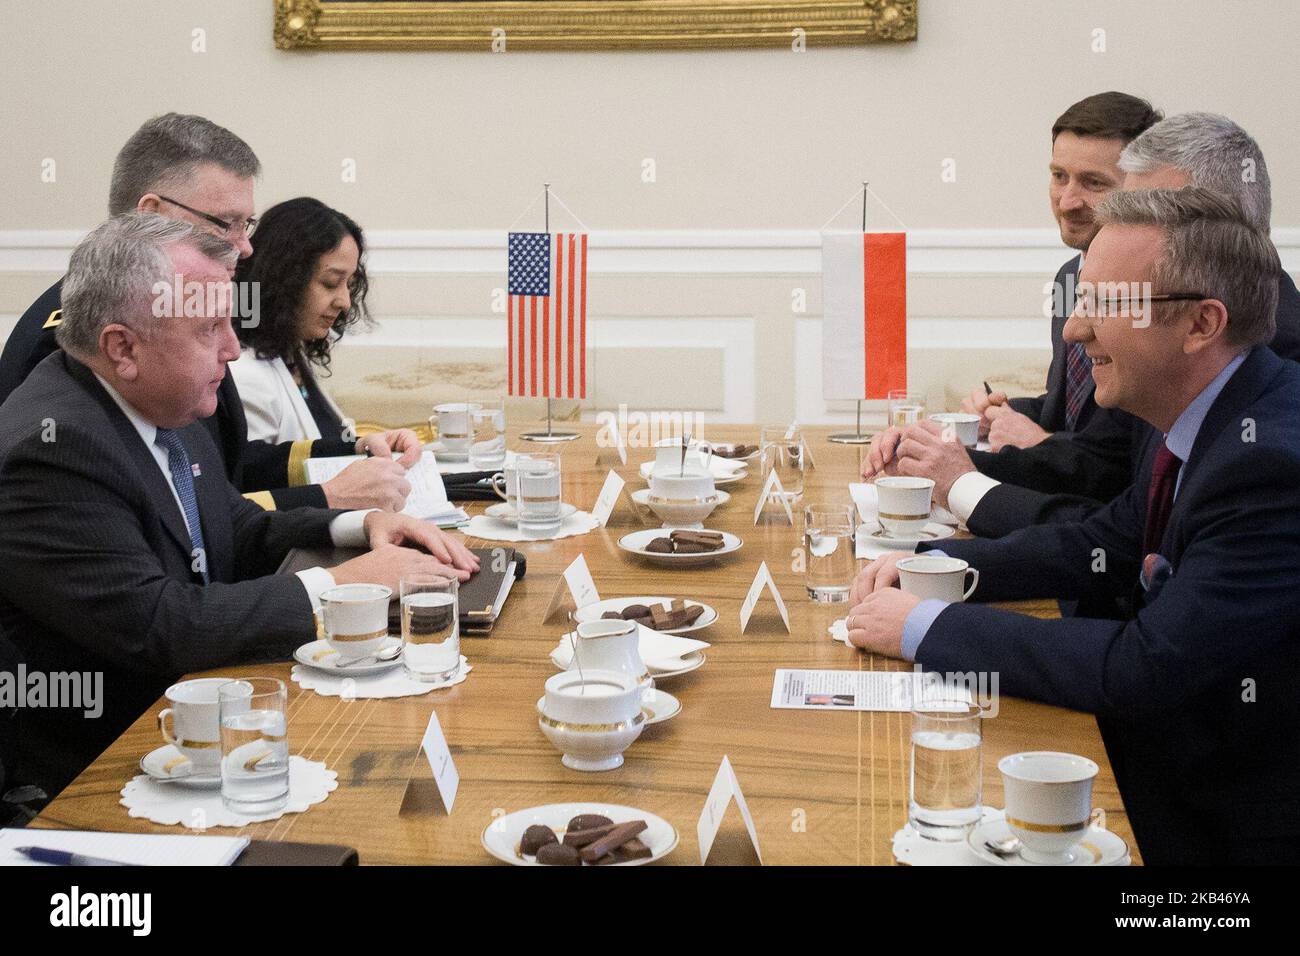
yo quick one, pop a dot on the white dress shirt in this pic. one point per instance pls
(346, 531)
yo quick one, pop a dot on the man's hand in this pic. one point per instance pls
(929, 450)
(979, 403)
(403, 441)
(1010, 427)
(879, 574)
(876, 624)
(385, 529)
(389, 563)
(880, 453)
(373, 483)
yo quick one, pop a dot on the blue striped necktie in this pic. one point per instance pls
(1078, 369)
(178, 463)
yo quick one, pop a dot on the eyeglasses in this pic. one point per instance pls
(246, 227)
(1088, 306)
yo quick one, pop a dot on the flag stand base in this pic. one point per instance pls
(550, 436)
(854, 437)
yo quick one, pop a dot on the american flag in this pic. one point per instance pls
(547, 328)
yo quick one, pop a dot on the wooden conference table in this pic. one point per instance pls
(823, 788)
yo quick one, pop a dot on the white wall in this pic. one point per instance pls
(753, 150)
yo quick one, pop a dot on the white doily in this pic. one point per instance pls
(394, 682)
(912, 849)
(492, 529)
(174, 804)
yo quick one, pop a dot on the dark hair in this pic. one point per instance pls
(289, 241)
(167, 150)
(1109, 116)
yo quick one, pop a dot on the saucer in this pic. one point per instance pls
(320, 655)
(501, 837)
(635, 543)
(877, 542)
(592, 612)
(155, 765)
(660, 705)
(442, 454)
(729, 446)
(503, 511)
(1097, 848)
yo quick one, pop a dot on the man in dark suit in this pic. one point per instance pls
(1086, 143)
(1070, 475)
(127, 553)
(189, 168)
(1194, 691)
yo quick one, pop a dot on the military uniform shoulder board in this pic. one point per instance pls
(53, 321)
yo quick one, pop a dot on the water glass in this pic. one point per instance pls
(487, 434)
(943, 800)
(430, 627)
(782, 449)
(539, 494)
(829, 551)
(254, 745)
(905, 409)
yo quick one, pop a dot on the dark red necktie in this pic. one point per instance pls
(1160, 498)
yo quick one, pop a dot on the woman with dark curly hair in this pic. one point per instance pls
(309, 280)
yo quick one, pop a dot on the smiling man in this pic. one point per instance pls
(127, 551)
(1194, 690)
(1087, 140)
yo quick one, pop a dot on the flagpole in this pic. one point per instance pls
(855, 437)
(548, 436)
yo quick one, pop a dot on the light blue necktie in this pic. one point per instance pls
(178, 463)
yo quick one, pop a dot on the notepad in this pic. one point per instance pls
(427, 500)
(141, 849)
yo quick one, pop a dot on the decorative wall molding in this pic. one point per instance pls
(681, 251)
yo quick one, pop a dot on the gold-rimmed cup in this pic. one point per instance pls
(1048, 802)
(355, 618)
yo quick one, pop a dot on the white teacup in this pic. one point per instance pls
(452, 420)
(506, 484)
(195, 721)
(904, 503)
(592, 716)
(965, 425)
(675, 488)
(1049, 802)
(668, 455)
(355, 618)
(934, 576)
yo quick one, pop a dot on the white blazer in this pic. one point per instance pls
(273, 405)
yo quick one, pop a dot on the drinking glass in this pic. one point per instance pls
(487, 434)
(904, 408)
(782, 448)
(539, 494)
(830, 561)
(254, 745)
(943, 801)
(430, 627)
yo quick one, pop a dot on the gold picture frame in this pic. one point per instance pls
(589, 24)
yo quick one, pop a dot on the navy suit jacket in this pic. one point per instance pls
(1195, 693)
(99, 574)
(1072, 474)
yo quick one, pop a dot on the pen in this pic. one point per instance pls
(987, 390)
(40, 854)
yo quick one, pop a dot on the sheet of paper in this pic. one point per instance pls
(726, 787)
(608, 497)
(771, 487)
(428, 497)
(894, 691)
(140, 849)
(443, 768)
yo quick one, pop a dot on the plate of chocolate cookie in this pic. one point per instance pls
(664, 614)
(579, 834)
(680, 547)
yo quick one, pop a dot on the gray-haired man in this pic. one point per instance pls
(126, 550)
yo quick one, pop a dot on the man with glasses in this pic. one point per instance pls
(189, 168)
(1194, 687)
